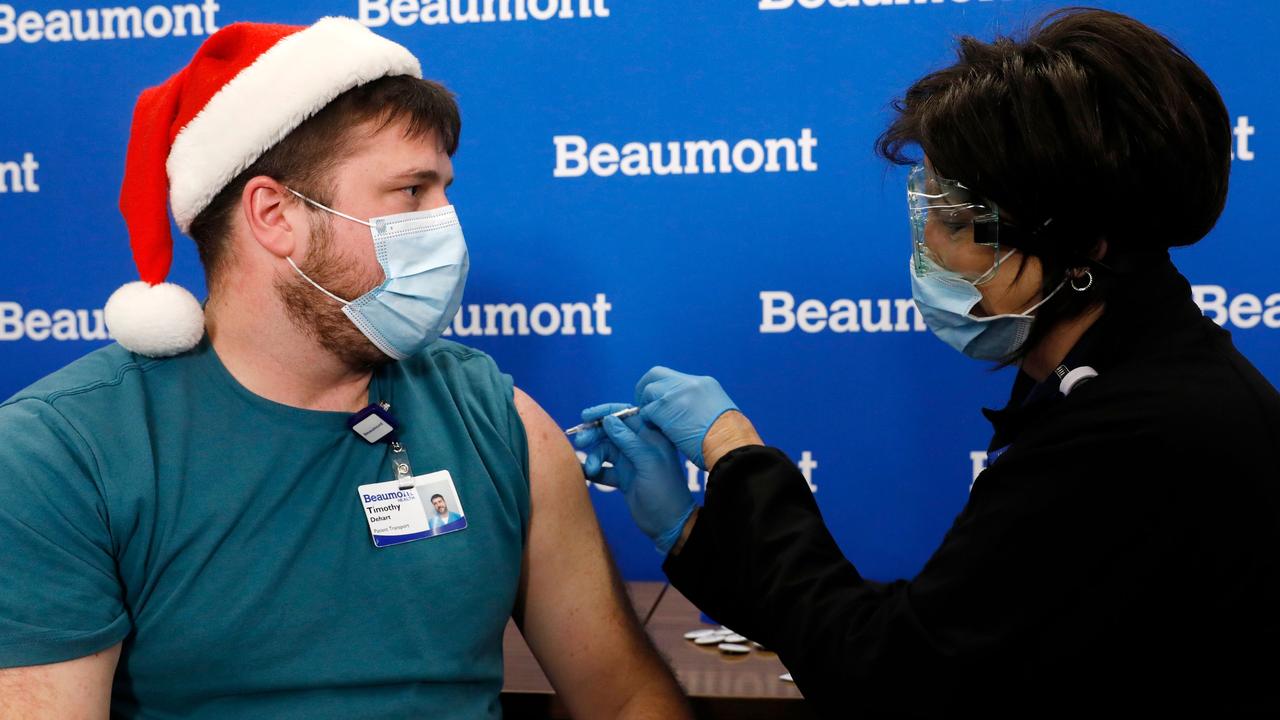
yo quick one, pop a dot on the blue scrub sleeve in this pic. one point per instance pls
(60, 595)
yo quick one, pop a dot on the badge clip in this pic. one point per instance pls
(374, 423)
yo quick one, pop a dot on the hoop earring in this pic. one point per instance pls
(1088, 282)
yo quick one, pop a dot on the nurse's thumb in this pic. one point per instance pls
(623, 437)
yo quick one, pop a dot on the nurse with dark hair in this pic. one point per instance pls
(1122, 548)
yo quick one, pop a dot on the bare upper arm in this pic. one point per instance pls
(564, 536)
(77, 689)
(572, 609)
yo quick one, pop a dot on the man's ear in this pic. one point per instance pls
(273, 215)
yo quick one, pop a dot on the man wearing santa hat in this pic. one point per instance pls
(225, 514)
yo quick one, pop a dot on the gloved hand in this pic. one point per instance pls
(646, 468)
(683, 406)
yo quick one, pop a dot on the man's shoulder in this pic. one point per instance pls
(448, 375)
(457, 364)
(101, 393)
(448, 351)
(105, 367)
(46, 422)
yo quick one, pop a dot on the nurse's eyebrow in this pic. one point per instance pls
(429, 177)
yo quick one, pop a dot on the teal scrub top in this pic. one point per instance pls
(220, 536)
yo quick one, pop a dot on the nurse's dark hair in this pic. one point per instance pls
(306, 157)
(1092, 121)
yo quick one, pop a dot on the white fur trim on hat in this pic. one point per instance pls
(284, 86)
(154, 320)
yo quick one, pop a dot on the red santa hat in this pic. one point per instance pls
(248, 86)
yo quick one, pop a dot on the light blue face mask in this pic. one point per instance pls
(945, 299)
(424, 257)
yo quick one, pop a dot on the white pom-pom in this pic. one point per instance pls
(155, 320)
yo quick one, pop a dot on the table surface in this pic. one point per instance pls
(703, 671)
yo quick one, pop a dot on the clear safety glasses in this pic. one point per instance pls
(951, 228)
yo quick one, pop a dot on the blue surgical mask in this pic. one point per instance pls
(424, 257)
(945, 300)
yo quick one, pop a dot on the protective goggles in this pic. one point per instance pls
(951, 228)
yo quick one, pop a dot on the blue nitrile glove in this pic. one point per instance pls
(646, 468)
(587, 439)
(683, 406)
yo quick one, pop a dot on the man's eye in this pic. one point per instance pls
(412, 190)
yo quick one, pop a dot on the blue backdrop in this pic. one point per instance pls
(774, 259)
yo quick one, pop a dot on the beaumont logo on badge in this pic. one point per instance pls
(398, 495)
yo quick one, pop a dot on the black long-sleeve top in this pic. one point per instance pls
(1123, 552)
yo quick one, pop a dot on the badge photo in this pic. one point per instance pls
(444, 509)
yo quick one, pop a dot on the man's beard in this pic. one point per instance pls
(320, 317)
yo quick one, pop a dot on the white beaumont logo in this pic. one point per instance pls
(978, 463)
(814, 4)
(36, 324)
(697, 477)
(779, 313)
(1243, 311)
(508, 319)
(376, 13)
(575, 157)
(110, 23)
(19, 176)
(1243, 131)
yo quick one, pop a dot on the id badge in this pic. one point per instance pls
(401, 511)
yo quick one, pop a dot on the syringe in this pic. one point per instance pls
(624, 413)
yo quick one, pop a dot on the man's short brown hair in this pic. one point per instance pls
(306, 157)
